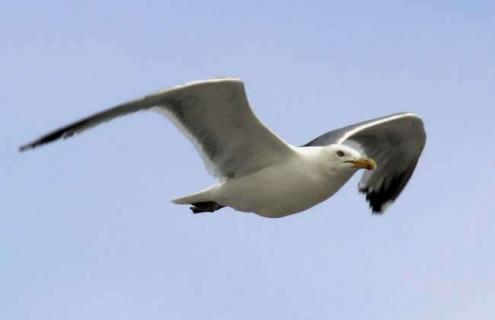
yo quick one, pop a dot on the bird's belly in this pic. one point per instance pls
(276, 192)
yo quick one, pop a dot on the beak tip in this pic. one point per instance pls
(372, 164)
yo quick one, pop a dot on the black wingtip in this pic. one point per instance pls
(31, 145)
(376, 208)
(377, 212)
(25, 147)
(62, 133)
(378, 201)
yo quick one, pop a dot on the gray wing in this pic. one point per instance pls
(395, 142)
(215, 115)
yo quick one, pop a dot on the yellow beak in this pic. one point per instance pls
(364, 163)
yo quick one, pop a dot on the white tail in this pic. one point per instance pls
(201, 196)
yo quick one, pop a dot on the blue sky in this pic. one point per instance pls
(87, 230)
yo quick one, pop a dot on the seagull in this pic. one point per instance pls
(259, 172)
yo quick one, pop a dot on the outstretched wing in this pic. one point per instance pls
(215, 115)
(394, 141)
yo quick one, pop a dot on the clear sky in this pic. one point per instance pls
(86, 227)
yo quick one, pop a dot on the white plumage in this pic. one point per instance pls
(259, 172)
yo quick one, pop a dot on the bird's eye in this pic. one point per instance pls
(340, 153)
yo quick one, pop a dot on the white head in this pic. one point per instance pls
(344, 157)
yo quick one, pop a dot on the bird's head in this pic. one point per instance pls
(348, 158)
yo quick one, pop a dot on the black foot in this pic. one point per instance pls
(208, 206)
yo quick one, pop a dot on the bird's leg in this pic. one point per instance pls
(208, 206)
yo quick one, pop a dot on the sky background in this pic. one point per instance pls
(87, 230)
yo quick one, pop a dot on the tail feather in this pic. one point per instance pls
(202, 196)
(200, 202)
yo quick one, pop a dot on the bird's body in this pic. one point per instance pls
(295, 184)
(258, 171)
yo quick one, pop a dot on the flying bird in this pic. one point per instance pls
(259, 172)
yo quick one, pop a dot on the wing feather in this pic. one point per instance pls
(215, 115)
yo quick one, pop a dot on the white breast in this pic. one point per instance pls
(283, 189)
